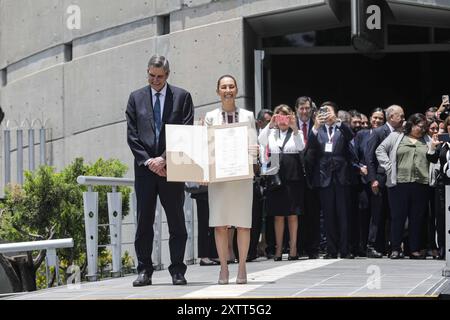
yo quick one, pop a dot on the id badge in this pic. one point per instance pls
(328, 147)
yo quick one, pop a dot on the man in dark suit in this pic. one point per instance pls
(309, 221)
(377, 179)
(149, 109)
(356, 187)
(330, 142)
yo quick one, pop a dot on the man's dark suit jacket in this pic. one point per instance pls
(335, 163)
(307, 156)
(375, 171)
(178, 109)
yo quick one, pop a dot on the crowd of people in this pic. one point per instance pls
(347, 184)
(376, 183)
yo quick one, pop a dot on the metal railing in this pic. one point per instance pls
(446, 270)
(20, 127)
(90, 202)
(51, 258)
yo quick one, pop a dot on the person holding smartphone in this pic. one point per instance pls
(444, 110)
(440, 157)
(285, 141)
(331, 174)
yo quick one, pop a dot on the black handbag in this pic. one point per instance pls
(272, 182)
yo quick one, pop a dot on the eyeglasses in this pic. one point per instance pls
(433, 128)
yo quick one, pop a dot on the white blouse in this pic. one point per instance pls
(275, 139)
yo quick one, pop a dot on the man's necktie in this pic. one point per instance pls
(157, 115)
(305, 133)
(330, 130)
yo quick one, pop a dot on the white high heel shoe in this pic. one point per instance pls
(223, 280)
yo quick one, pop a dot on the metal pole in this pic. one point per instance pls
(446, 270)
(7, 155)
(115, 230)
(133, 209)
(354, 16)
(90, 202)
(19, 156)
(157, 241)
(259, 58)
(31, 149)
(189, 218)
(42, 146)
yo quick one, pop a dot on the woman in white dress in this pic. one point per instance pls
(230, 202)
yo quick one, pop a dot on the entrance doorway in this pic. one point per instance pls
(414, 80)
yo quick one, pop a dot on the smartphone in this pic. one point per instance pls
(445, 99)
(444, 137)
(323, 110)
(282, 119)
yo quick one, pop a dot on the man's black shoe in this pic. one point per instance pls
(349, 256)
(143, 279)
(330, 256)
(374, 254)
(178, 279)
(313, 256)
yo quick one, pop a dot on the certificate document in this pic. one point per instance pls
(208, 154)
(231, 152)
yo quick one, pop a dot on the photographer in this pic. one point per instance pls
(330, 142)
(444, 111)
(284, 197)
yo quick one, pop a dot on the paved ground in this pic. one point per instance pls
(303, 278)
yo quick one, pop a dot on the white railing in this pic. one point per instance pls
(51, 259)
(90, 201)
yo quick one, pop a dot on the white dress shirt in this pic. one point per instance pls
(162, 98)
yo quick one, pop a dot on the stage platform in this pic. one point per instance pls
(336, 278)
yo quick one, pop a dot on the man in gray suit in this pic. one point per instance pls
(149, 109)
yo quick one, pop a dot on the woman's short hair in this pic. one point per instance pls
(226, 76)
(284, 108)
(414, 119)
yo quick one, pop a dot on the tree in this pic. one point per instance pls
(50, 205)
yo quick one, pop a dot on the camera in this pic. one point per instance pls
(282, 119)
(323, 110)
(444, 137)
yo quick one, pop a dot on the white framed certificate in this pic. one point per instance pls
(209, 154)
